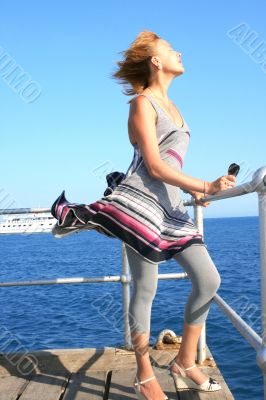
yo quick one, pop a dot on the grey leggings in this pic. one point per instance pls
(201, 270)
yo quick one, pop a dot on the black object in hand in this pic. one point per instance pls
(233, 169)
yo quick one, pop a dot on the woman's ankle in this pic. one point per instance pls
(185, 362)
(144, 373)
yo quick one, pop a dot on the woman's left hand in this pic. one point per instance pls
(197, 196)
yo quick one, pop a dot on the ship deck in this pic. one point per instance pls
(94, 374)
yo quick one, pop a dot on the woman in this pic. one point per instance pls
(144, 208)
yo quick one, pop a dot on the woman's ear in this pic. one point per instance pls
(156, 62)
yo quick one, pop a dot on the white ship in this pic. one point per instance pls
(27, 223)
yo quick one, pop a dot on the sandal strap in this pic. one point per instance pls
(174, 362)
(182, 369)
(190, 367)
(144, 381)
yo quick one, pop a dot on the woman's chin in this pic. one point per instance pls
(180, 70)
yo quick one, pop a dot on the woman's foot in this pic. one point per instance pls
(195, 373)
(151, 389)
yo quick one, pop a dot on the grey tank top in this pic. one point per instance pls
(164, 125)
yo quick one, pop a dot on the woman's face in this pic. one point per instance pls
(170, 59)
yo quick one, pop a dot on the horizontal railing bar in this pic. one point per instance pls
(243, 328)
(239, 190)
(61, 281)
(114, 278)
(4, 211)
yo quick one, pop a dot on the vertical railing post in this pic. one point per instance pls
(201, 346)
(261, 355)
(125, 280)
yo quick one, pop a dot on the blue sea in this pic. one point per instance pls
(65, 316)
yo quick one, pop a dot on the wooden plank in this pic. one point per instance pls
(45, 387)
(86, 386)
(75, 360)
(11, 387)
(63, 361)
(166, 382)
(122, 384)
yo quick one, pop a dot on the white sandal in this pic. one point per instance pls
(184, 382)
(137, 384)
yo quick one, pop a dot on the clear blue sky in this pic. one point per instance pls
(75, 132)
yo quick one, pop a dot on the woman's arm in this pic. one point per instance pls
(167, 174)
(142, 118)
(192, 192)
(198, 197)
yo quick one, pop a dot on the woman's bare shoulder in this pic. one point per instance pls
(142, 116)
(141, 104)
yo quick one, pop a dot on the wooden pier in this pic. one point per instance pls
(93, 374)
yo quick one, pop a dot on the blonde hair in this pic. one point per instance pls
(134, 69)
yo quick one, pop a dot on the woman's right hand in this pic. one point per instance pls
(222, 183)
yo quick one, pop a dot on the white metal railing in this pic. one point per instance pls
(257, 184)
